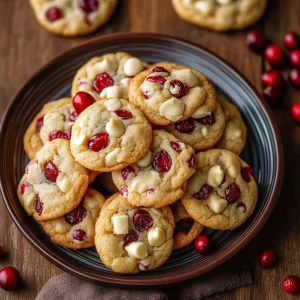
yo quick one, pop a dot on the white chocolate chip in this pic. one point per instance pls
(215, 176)
(201, 112)
(172, 109)
(125, 82)
(204, 131)
(137, 250)
(111, 92)
(145, 181)
(146, 160)
(232, 130)
(144, 264)
(120, 223)
(133, 66)
(63, 183)
(204, 7)
(113, 104)
(216, 203)
(100, 67)
(156, 237)
(111, 158)
(60, 226)
(115, 128)
(187, 76)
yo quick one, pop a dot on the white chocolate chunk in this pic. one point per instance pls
(110, 92)
(60, 226)
(120, 223)
(100, 67)
(145, 181)
(146, 160)
(187, 76)
(204, 131)
(111, 158)
(156, 237)
(172, 109)
(201, 112)
(215, 176)
(63, 183)
(115, 128)
(145, 263)
(216, 203)
(232, 130)
(113, 104)
(137, 250)
(133, 66)
(204, 7)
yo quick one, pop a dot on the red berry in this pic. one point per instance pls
(295, 112)
(207, 120)
(88, 5)
(39, 123)
(186, 126)
(180, 86)
(274, 55)
(256, 41)
(203, 193)
(192, 162)
(24, 186)
(76, 215)
(291, 284)
(156, 79)
(184, 225)
(295, 77)
(295, 58)
(124, 114)
(98, 141)
(39, 206)
(73, 116)
(9, 279)
(126, 171)
(142, 220)
(160, 69)
(51, 171)
(291, 40)
(79, 235)
(102, 81)
(53, 14)
(130, 237)
(162, 162)
(59, 135)
(81, 101)
(202, 244)
(272, 78)
(272, 94)
(267, 258)
(232, 192)
(176, 146)
(246, 172)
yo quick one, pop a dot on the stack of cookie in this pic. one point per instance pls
(136, 129)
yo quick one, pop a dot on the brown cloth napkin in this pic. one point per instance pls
(232, 275)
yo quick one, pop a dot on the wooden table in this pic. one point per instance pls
(25, 47)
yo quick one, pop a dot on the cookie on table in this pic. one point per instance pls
(168, 92)
(109, 135)
(186, 228)
(130, 240)
(235, 132)
(54, 183)
(222, 194)
(107, 76)
(220, 15)
(73, 17)
(157, 179)
(202, 132)
(76, 230)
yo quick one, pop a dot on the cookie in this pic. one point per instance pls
(186, 228)
(130, 240)
(220, 15)
(235, 133)
(158, 178)
(73, 17)
(107, 76)
(53, 183)
(76, 230)
(169, 92)
(222, 194)
(201, 133)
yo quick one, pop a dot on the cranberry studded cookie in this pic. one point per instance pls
(109, 135)
(73, 17)
(76, 230)
(220, 15)
(186, 228)
(107, 76)
(158, 178)
(54, 183)
(130, 240)
(169, 92)
(222, 194)
(235, 133)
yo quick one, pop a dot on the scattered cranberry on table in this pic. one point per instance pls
(9, 279)
(295, 77)
(272, 78)
(295, 58)
(272, 94)
(291, 40)
(202, 244)
(291, 284)
(295, 112)
(256, 41)
(81, 101)
(274, 55)
(267, 258)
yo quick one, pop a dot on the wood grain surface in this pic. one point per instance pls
(25, 47)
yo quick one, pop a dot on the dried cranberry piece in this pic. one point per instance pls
(142, 220)
(203, 193)
(124, 191)
(77, 215)
(183, 88)
(186, 126)
(102, 81)
(156, 79)
(53, 14)
(207, 120)
(79, 235)
(59, 135)
(39, 123)
(184, 225)
(162, 162)
(150, 191)
(51, 171)
(88, 5)
(176, 146)
(73, 116)
(192, 162)
(124, 114)
(130, 237)
(39, 206)
(126, 171)
(160, 69)
(24, 186)
(246, 172)
(232, 192)
(98, 141)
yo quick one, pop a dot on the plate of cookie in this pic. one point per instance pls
(122, 152)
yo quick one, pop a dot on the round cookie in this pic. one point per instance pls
(235, 132)
(130, 240)
(222, 194)
(76, 230)
(110, 135)
(157, 179)
(53, 183)
(107, 76)
(72, 17)
(168, 92)
(201, 133)
(186, 228)
(220, 15)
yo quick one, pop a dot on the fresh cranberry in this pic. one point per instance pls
(295, 112)
(291, 284)
(182, 88)
(295, 77)
(98, 141)
(256, 41)
(73, 116)
(184, 225)
(295, 58)
(156, 79)
(241, 207)
(192, 162)
(124, 114)
(77, 215)
(81, 101)
(130, 237)
(88, 5)
(202, 244)
(142, 220)
(176, 146)
(102, 81)
(53, 14)
(207, 120)
(126, 171)
(59, 135)
(186, 126)
(79, 235)
(267, 258)
(1, 252)
(274, 55)
(51, 171)
(162, 162)
(24, 186)
(291, 40)
(273, 94)
(39, 206)
(39, 123)
(124, 191)
(246, 172)
(203, 193)
(272, 78)
(159, 69)
(9, 279)
(232, 192)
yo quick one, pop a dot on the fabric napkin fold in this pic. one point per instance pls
(232, 275)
